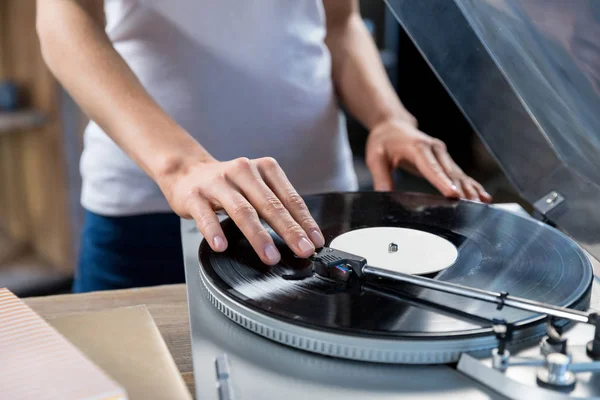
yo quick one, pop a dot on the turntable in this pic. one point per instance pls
(417, 296)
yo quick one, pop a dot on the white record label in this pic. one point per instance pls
(404, 250)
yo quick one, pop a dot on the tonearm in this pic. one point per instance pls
(337, 265)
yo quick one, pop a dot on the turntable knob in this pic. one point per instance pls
(556, 375)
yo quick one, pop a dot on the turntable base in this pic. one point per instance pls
(260, 367)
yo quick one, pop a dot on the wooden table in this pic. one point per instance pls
(167, 305)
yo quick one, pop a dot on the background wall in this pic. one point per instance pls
(34, 200)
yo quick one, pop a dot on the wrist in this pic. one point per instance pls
(173, 164)
(406, 122)
(397, 118)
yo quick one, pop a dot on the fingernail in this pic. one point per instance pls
(272, 253)
(455, 188)
(305, 246)
(219, 243)
(316, 238)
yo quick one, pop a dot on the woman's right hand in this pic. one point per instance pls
(195, 184)
(247, 190)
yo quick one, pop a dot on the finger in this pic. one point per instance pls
(208, 224)
(484, 196)
(410, 168)
(246, 218)
(441, 153)
(275, 178)
(381, 170)
(451, 169)
(247, 178)
(470, 191)
(429, 166)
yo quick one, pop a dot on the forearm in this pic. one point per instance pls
(80, 55)
(359, 75)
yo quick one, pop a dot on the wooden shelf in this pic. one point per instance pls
(28, 275)
(9, 248)
(34, 174)
(20, 120)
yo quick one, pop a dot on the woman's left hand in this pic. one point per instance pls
(399, 144)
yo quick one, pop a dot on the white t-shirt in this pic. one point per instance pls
(245, 77)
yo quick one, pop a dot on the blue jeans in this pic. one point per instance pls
(133, 251)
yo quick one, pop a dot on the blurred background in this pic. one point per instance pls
(41, 141)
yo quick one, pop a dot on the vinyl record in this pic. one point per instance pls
(495, 250)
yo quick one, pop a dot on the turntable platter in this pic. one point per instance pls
(495, 250)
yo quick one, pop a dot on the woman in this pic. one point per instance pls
(202, 105)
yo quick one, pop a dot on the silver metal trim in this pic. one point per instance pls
(502, 384)
(371, 349)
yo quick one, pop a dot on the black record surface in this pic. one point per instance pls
(497, 251)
